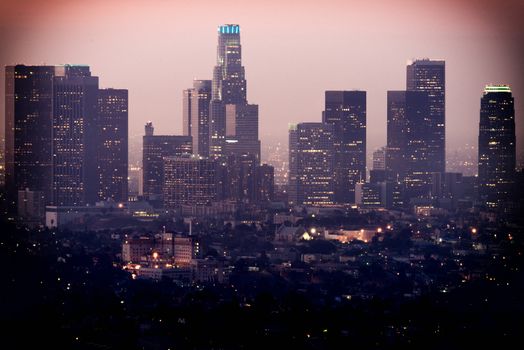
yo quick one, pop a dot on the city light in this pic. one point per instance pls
(242, 224)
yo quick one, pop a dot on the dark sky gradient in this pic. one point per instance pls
(292, 51)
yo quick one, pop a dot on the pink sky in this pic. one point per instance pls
(292, 50)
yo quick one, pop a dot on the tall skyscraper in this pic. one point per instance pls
(429, 76)
(497, 146)
(417, 157)
(66, 141)
(112, 155)
(229, 83)
(155, 148)
(189, 180)
(396, 135)
(75, 112)
(196, 115)
(408, 157)
(28, 130)
(311, 153)
(346, 111)
(230, 113)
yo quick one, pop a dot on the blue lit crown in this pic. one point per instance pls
(229, 29)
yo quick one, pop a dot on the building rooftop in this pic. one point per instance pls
(497, 88)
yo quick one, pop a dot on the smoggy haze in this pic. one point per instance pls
(292, 51)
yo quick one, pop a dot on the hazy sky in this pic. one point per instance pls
(292, 50)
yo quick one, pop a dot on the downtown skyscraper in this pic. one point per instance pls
(497, 146)
(416, 128)
(196, 114)
(407, 155)
(112, 145)
(311, 164)
(189, 179)
(75, 109)
(429, 76)
(229, 88)
(396, 136)
(346, 111)
(66, 140)
(28, 130)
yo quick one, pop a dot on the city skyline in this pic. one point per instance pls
(262, 174)
(376, 68)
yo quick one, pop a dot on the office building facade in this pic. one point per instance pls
(311, 164)
(28, 130)
(75, 118)
(112, 145)
(429, 76)
(189, 180)
(196, 115)
(155, 148)
(497, 146)
(346, 111)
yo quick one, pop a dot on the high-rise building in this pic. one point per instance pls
(217, 129)
(429, 76)
(242, 130)
(346, 111)
(75, 114)
(196, 106)
(497, 157)
(64, 138)
(230, 113)
(418, 164)
(155, 148)
(407, 154)
(311, 153)
(28, 130)
(237, 177)
(396, 135)
(229, 83)
(112, 155)
(189, 180)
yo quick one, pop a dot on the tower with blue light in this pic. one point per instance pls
(229, 89)
(229, 83)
